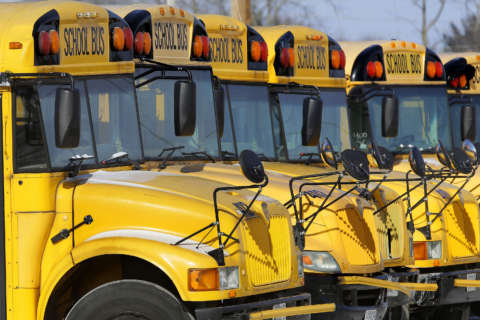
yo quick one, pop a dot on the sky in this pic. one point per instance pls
(381, 19)
(389, 19)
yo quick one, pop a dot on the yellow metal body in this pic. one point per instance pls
(458, 227)
(312, 68)
(136, 214)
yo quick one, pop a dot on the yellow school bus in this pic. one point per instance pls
(414, 76)
(247, 101)
(230, 43)
(463, 91)
(157, 72)
(83, 236)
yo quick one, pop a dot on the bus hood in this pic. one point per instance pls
(346, 229)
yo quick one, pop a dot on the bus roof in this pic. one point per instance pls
(21, 23)
(229, 44)
(473, 59)
(171, 30)
(311, 48)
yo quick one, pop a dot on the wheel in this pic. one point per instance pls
(128, 300)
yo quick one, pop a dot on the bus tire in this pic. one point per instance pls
(127, 299)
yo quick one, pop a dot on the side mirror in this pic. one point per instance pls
(185, 110)
(416, 162)
(67, 118)
(312, 121)
(219, 97)
(252, 167)
(443, 156)
(470, 150)
(328, 154)
(390, 116)
(468, 123)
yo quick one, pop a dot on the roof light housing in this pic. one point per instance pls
(257, 50)
(47, 43)
(337, 59)
(200, 42)
(369, 65)
(140, 21)
(284, 55)
(459, 73)
(433, 67)
(120, 43)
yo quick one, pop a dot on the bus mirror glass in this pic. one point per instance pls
(328, 154)
(67, 118)
(185, 110)
(252, 167)
(468, 122)
(442, 155)
(312, 121)
(219, 96)
(389, 116)
(470, 150)
(416, 162)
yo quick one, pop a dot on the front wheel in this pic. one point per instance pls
(128, 300)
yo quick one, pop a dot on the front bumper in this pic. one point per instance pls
(453, 288)
(408, 280)
(297, 306)
(355, 297)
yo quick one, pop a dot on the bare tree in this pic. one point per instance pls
(427, 25)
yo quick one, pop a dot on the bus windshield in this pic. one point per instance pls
(455, 116)
(109, 123)
(423, 120)
(248, 117)
(156, 109)
(334, 121)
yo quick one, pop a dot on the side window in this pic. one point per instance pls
(30, 149)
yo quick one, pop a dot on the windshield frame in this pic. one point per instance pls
(188, 75)
(393, 86)
(42, 80)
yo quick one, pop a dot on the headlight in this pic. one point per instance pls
(320, 261)
(228, 278)
(425, 250)
(434, 249)
(300, 266)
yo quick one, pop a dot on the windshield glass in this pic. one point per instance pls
(456, 118)
(252, 123)
(423, 120)
(106, 103)
(156, 108)
(334, 121)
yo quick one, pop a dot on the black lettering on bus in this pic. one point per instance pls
(67, 42)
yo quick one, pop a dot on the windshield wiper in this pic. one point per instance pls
(121, 158)
(172, 150)
(75, 164)
(197, 155)
(262, 156)
(228, 154)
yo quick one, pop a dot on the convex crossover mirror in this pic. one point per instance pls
(312, 119)
(328, 154)
(185, 109)
(252, 167)
(416, 161)
(380, 157)
(390, 116)
(470, 150)
(67, 118)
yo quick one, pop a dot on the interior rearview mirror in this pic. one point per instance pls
(312, 121)
(185, 109)
(252, 167)
(219, 96)
(328, 154)
(416, 161)
(67, 118)
(468, 122)
(390, 116)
